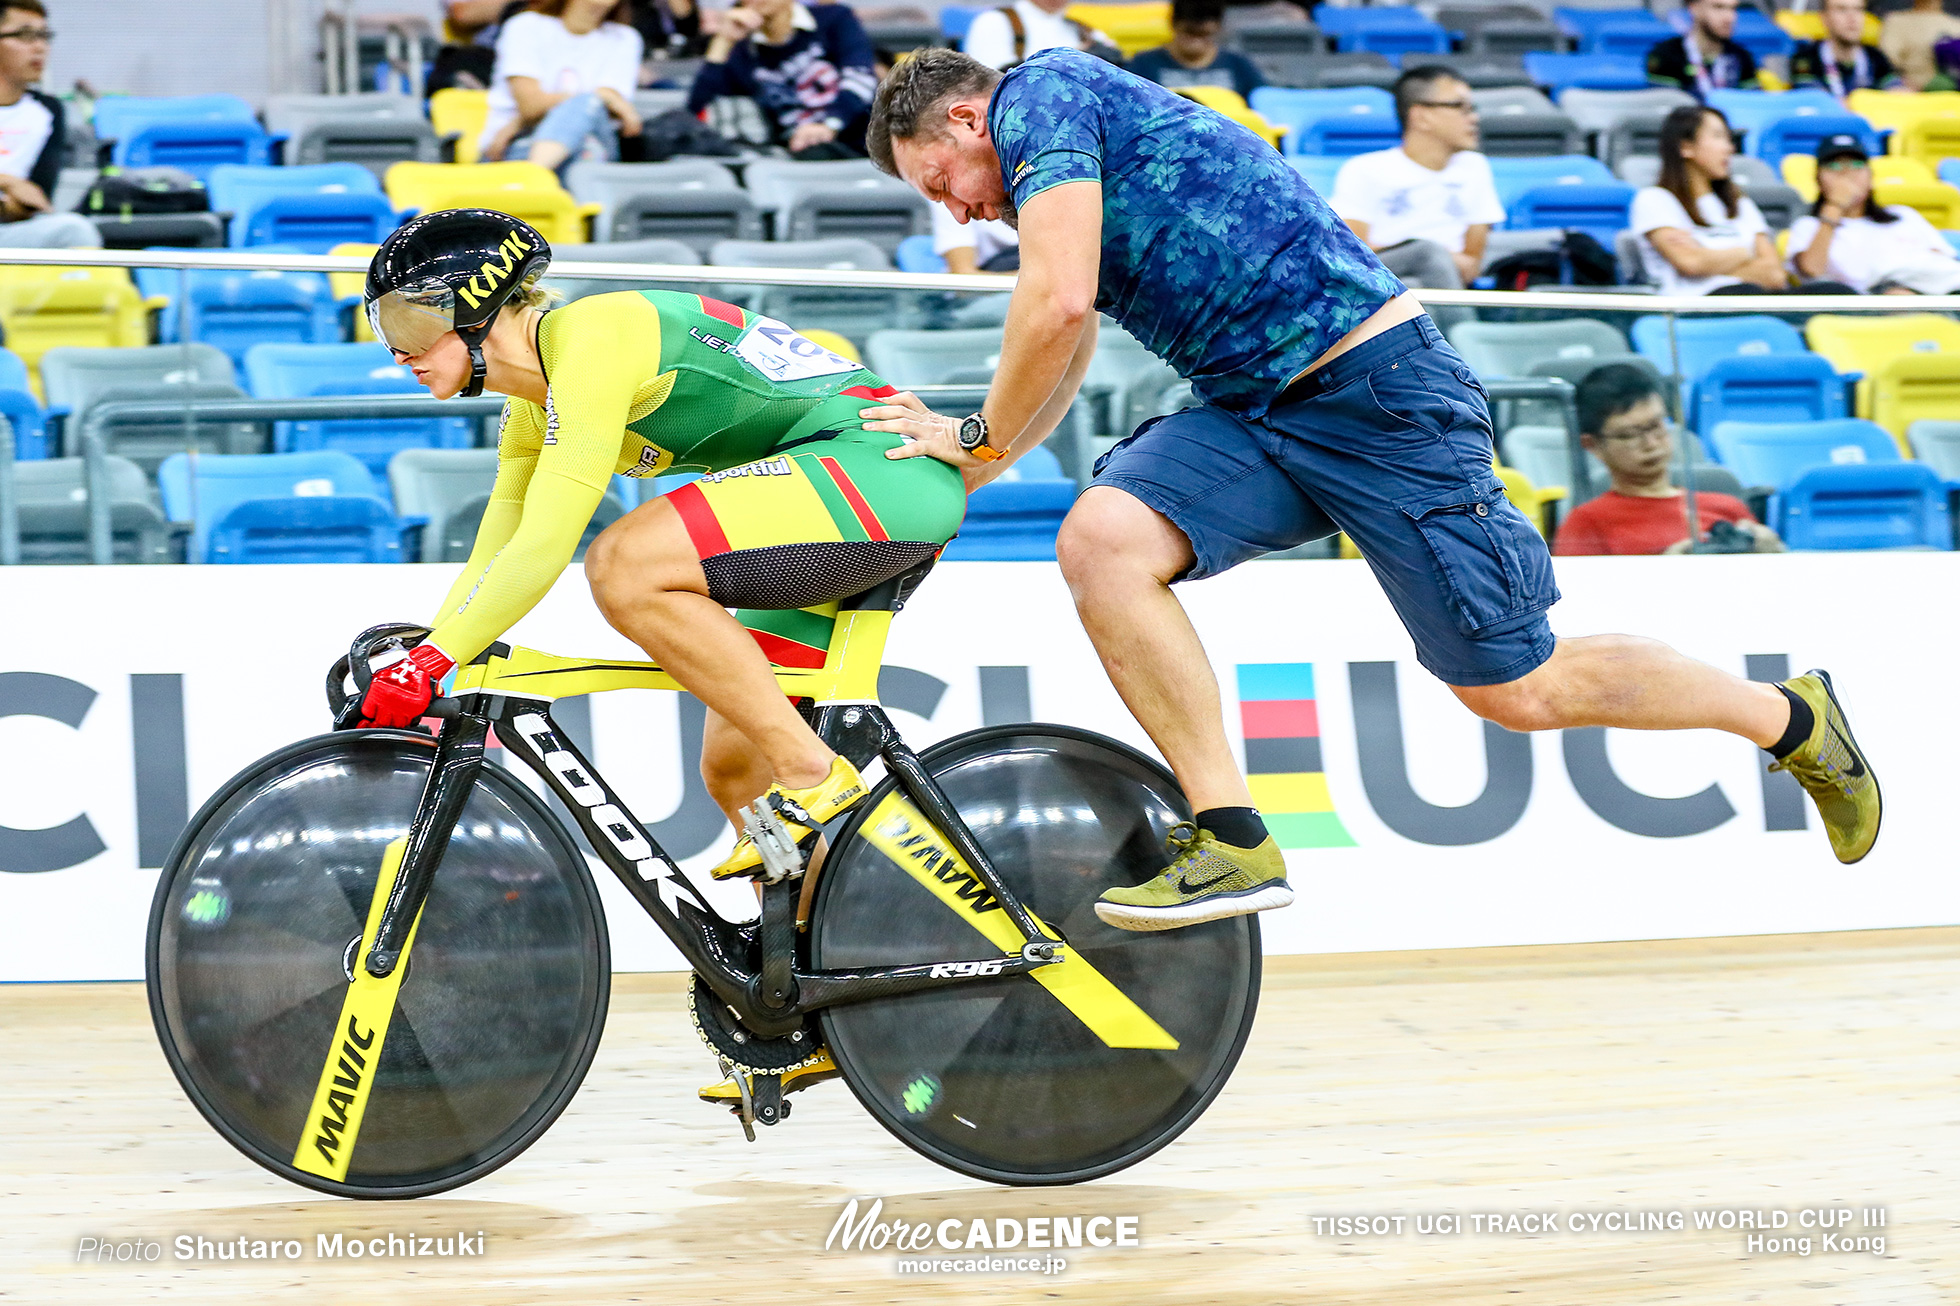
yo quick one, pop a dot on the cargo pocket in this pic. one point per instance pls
(1491, 564)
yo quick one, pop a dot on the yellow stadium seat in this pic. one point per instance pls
(453, 111)
(1914, 386)
(1767, 79)
(1135, 28)
(1530, 500)
(42, 307)
(349, 285)
(1858, 343)
(835, 343)
(523, 190)
(1938, 202)
(1800, 172)
(1889, 110)
(1233, 106)
(1931, 139)
(1810, 26)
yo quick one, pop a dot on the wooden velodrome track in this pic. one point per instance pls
(1792, 1073)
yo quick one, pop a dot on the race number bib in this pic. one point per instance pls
(777, 352)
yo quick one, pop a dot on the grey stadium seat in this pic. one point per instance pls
(698, 218)
(850, 311)
(670, 252)
(459, 529)
(1508, 349)
(611, 184)
(53, 507)
(845, 197)
(913, 358)
(78, 379)
(1597, 111)
(1937, 444)
(1512, 99)
(1516, 134)
(373, 130)
(437, 484)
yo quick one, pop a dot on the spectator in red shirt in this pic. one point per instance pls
(1623, 421)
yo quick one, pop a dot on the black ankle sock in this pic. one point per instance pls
(1802, 721)
(1237, 826)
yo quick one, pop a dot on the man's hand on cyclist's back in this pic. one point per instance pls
(401, 692)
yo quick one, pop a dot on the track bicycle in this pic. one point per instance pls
(378, 964)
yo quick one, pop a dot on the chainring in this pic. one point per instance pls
(735, 1044)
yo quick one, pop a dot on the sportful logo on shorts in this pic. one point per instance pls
(1282, 755)
(763, 467)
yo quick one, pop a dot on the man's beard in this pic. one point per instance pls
(1009, 214)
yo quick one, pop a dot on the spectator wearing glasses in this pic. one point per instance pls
(1851, 238)
(1624, 423)
(32, 135)
(1706, 59)
(565, 75)
(1425, 207)
(1193, 58)
(1842, 63)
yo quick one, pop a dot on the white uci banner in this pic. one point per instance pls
(127, 695)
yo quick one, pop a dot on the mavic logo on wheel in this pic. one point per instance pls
(966, 969)
(346, 1087)
(931, 856)
(620, 829)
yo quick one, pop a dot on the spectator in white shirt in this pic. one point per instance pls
(31, 139)
(566, 71)
(1699, 234)
(978, 245)
(1427, 206)
(1001, 38)
(1868, 246)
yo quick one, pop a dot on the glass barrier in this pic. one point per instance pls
(131, 372)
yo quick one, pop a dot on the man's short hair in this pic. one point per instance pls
(911, 102)
(1197, 11)
(1414, 86)
(1609, 391)
(30, 6)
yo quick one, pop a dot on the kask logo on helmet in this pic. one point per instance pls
(512, 247)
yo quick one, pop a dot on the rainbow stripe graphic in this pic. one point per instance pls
(1282, 755)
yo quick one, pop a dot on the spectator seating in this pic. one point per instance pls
(1540, 452)
(1871, 345)
(1749, 112)
(78, 380)
(310, 208)
(1514, 177)
(611, 184)
(665, 252)
(280, 371)
(1776, 453)
(1326, 71)
(119, 117)
(1621, 122)
(1504, 30)
(457, 117)
(1389, 30)
(1937, 444)
(1924, 126)
(431, 485)
(44, 307)
(1600, 210)
(158, 230)
(1703, 340)
(1629, 32)
(1936, 201)
(235, 310)
(694, 217)
(1800, 172)
(195, 146)
(1134, 27)
(1799, 133)
(1012, 521)
(899, 36)
(373, 130)
(913, 358)
(460, 527)
(1509, 349)
(1760, 36)
(1482, 72)
(915, 254)
(955, 19)
(1510, 130)
(1593, 72)
(1766, 388)
(52, 501)
(1864, 506)
(1320, 172)
(1495, 100)
(847, 197)
(283, 507)
(852, 312)
(1912, 387)
(524, 190)
(1299, 111)
(21, 409)
(1232, 105)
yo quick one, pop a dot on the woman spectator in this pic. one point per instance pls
(809, 69)
(1698, 232)
(565, 75)
(1868, 246)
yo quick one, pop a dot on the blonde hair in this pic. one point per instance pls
(535, 294)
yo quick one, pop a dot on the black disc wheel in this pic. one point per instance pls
(252, 942)
(1024, 1080)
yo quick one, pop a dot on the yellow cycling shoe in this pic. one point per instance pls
(802, 810)
(818, 1069)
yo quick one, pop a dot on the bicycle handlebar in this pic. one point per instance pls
(346, 707)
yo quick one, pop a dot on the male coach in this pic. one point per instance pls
(1327, 401)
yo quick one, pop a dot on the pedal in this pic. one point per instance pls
(781, 859)
(766, 1099)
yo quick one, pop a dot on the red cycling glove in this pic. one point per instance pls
(400, 693)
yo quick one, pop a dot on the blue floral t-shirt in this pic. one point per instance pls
(1216, 254)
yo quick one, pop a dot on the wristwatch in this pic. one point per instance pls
(973, 439)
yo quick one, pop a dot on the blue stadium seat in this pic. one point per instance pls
(1896, 505)
(311, 208)
(1390, 30)
(1776, 453)
(1799, 134)
(915, 254)
(1037, 464)
(303, 371)
(1751, 111)
(1319, 172)
(280, 507)
(117, 116)
(1706, 339)
(1013, 521)
(1766, 388)
(1761, 37)
(1513, 177)
(1297, 110)
(196, 147)
(23, 412)
(1591, 72)
(955, 19)
(236, 310)
(1950, 171)
(1623, 32)
(1600, 210)
(1347, 134)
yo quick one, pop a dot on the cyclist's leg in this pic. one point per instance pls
(735, 773)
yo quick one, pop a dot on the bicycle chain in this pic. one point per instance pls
(718, 1031)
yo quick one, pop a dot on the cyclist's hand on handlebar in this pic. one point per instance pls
(402, 691)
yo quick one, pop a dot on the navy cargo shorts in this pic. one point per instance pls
(1392, 443)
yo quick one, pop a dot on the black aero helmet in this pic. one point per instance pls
(451, 271)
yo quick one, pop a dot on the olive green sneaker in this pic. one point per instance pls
(1207, 881)
(1832, 769)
